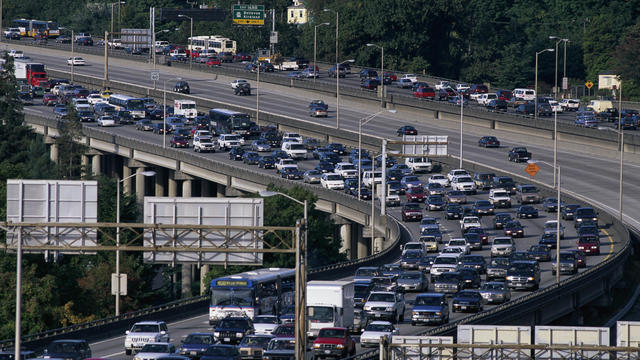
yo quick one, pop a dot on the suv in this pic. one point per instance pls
(232, 329)
(145, 332)
(335, 343)
(385, 305)
(182, 87)
(228, 141)
(500, 198)
(430, 308)
(524, 274)
(203, 143)
(526, 193)
(502, 246)
(68, 349)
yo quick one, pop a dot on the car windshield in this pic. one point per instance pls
(430, 231)
(500, 194)
(502, 241)
(411, 179)
(282, 345)
(436, 198)
(265, 320)
(382, 297)
(536, 248)
(143, 328)
(457, 243)
(483, 203)
(412, 206)
(63, 347)
(445, 260)
(587, 239)
(585, 212)
(448, 276)
(521, 266)
(428, 300)
(473, 259)
(528, 189)
(232, 323)
(379, 327)
(490, 286)
(361, 290)
(410, 276)
(155, 348)
(320, 313)
(331, 333)
(500, 262)
(257, 341)
(567, 256)
(366, 272)
(220, 351)
(334, 177)
(463, 179)
(198, 339)
(412, 254)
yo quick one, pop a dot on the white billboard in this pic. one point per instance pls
(53, 201)
(628, 335)
(417, 347)
(494, 335)
(242, 212)
(427, 145)
(571, 335)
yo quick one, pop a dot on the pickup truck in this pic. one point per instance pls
(203, 144)
(441, 85)
(334, 343)
(469, 222)
(500, 198)
(385, 305)
(519, 154)
(284, 162)
(228, 141)
(418, 164)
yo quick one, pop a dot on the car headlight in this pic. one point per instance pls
(316, 346)
(136, 358)
(439, 313)
(216, 334)
(389, 308)
(239, 334)
(340, 346)
(509, 277)
(367, 308)
(530, 278)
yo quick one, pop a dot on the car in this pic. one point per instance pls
(567, 261)
(475, 262)
(413, 280)
(179, 141)
(49, 99)
(474, 240)
(527, 212)
(318, 111)
(155, 350)
(332, 181)
(489, 141)
(144, 332)
(539, 253)
(544, 109)
(438, 179)
(455, 197)
(525, 109)
(470, 278)
(449, 282)
(580, 257)
(236, 153)
(372, 333)
(468, 222)
(551, 227)
(75, 61)
(411, 258)
(495, 105)
(253, 346)
(219, 352)
(430, 308)
(265, 324)
(182, 87)
(588, 228)
(411, 211)
(407, 130)
(523, 274)
(527, 193)
(106, 120)
(583, 214)
(550, 204)
(467, 300)
(501, 219)
(280, 348)
(484, 237)
(502, 246)
(425, 93)
(453, 211)
(385, 305)
(267, 162)
(195, 344)
(231, 329)
(506, 183)
(410, 181)
(589, 244)
(312, 176)
(336, 148)
(483, 207)
(213, 61)
(260, 145)
(513, 228)
(291, 173)
(464, 183)
(497, 268)
(370, 84)
(251, 158)
(415, 194)
(68, 349)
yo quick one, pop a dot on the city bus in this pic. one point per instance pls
(224, 121)
(210, 43)
(134, 106)
(255, 292)
(31, 28)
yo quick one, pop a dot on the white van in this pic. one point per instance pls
(600, 105)
(186, 108)
(524, 94)
(484, 99)
(295, 150)
(368, 178)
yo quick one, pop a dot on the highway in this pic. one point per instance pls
(591, 176)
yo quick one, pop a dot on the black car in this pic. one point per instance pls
(337, 148)
(311, 143)
(330, 157)
(368, 74)
(361, 290)
(544, 110)
(267, 162)
(279, 154)
(496, 105)
(453, 211)
(394, 175)
(504, 182)
(467, 300)
(549, 240)
(525, 109)
(489, 141)
(350, 184)
(291, 173)
(550, 204)
(524, 274)
(365, 192)
(568, 211)
(519, 154)
(232, 329)
(325, 166)
(158, 113)
(68, 349)
(219, 351)
(539, 253)
(527, 211)
(483, 207)
(475, 262)
(500, 219)
(182, 87)
(514, 229)
(236, 153)
(474, 240)
(407, 130)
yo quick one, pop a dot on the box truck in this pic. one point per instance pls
(329, 304)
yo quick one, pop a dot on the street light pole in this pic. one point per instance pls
(621, 133)
(381, 71)
(72, 59)
(564, 63)
(144, 173)
(315, 44)
(535, 111)
(557, 227)
(337, 72)
(361, 122)
(461, 117)
(190, 41)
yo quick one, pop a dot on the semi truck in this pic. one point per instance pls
(329, 304)
(186, 108)
(33, 73)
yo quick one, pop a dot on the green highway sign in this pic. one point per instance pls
(248, 14)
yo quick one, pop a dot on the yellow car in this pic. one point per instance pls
(106, 94)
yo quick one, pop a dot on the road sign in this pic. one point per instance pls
(589, 84)
(273, 39)
(155, 75)
(123, 284)
(532, 169)
(565, 83)
(248, 14)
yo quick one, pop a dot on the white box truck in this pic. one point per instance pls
(186, 108)
(329, 304)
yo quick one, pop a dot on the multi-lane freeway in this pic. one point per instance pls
(588, 173)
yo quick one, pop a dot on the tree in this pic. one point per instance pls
(624, 59)
(70, 149)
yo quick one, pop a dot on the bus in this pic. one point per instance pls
(224, 121)
(255, 292)
(215, 43)
(31, 28)
(133, 105)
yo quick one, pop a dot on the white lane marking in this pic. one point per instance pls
(114, 354)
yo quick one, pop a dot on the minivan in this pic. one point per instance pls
(524, 94)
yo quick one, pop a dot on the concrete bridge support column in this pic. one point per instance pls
(160, 181)
(96, 165)
(173, 187)
(204, 270)
(221, 190)
(126, 184)
(363, 243)
(187, 187)
(378, 244)
(345, 236)
(53, 149)
(186, 280)
(85, 162)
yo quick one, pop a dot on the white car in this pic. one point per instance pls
(418, 164)
(106, 120)
(332, 181)
(444, 263)
(155, 350)
(457, 172)
(143, 333)
(16, 54)
(296, 136)
(442, 84)
(75, 61)
(460, 243)
(346, 170)
(455, 251)
(285, 162)
(502, 246)
(555, 106)
(265, 324)
(463, 183)
(412, 77)
(438, 179)
(374, 331)
(96, 99)
(237, 82)
(570, 104)
(463, 86)
(551, 227)
(469, 222)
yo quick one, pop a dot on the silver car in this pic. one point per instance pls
(495, 292)
(551, 227)
(312, 176)
(455, 196)
(413, 281)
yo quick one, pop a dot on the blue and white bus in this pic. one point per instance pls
(225, 121)
(134, 106)
(256, 292)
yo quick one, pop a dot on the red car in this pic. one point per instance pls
(411, 211)
(49, 99)
(425, 93)
(334, 343)
(391, 76)
(242, 57)
(214, 61)
(416, 194)
(179, 141)
(589, 245)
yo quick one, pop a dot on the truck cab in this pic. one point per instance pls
(186, 108)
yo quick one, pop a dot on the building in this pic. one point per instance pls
(297, 13)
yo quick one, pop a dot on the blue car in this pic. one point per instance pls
(325, 166)
(221, 352)
(586, 119)
(354, 155)
(365, 273)
(337, 148)
(410, 181)
(195, 344)
(549, 240)
(430, 308)
(406, 170)
(467, 300)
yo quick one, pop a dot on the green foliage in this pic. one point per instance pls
(70, 150)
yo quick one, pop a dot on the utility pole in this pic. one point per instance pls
(106, 60)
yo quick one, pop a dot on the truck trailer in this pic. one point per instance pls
(329, 304)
